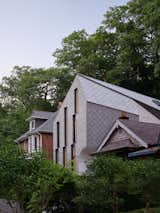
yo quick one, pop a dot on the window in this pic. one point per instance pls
(57, 155)
(64, 156)
(75, 100)
(35, 144)
(58, 134)
(73, 157)
(65, 126)
(32, 124)
(30, 144)
(74, 128)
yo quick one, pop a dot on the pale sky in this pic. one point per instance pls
(31, 30)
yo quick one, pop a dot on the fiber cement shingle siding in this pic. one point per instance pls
(80, 126)
(99, 121)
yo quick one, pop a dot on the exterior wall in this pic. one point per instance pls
(100, 119)
(80, 143)
(93, 121)
(47, 145)
(45, 142)
(24, 145)
(120, 134)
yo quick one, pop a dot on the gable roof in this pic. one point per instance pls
(46, 127)
(126, 143)
(40, 115)
(107, 94)
(148, 132)
(145, 133)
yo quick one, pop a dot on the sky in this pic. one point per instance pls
(31, 30)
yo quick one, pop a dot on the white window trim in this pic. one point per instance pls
(32, 125)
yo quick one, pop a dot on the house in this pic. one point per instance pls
(132, 139)
(89, 111)
(40, 134)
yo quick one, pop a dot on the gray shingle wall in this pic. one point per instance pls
(99, 121)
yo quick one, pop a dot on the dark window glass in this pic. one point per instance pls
(58, 134)
(74, 128)
(35, 143)
(73, 157)
(76, 100)
(57, 155)
(65, 126)
(64, 156)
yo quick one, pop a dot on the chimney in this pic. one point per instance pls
(124, 115)
(59, 105)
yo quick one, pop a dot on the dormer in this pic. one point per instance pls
(37, 118)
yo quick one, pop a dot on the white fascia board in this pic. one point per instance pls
(108, 136)
(119, 124)
(130, 132)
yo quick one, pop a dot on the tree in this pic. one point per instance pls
(29, 89)
(104, 184)
(53, 188)
(125, 50)
(36, 184)
(112, 184)
(93, 55)
(144, 181)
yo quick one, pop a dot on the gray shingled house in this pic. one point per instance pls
(89, 111)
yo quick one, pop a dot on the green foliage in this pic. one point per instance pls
(112, 184)
(36, 184)
(54, 186)
(125, 50)
(25, 90)
(104, 184)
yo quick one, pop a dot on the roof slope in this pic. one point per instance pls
(104, 93)
(148, 132)
(46, 127)
(40, 114)
(126, 143)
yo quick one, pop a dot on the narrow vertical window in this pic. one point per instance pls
(64, 156)
(35, 144)
(65, 126)
(58, 135)
(75, 100)
(57, 155)
(73, 157)
(74, 128)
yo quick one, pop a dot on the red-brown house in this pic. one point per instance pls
(40, 134)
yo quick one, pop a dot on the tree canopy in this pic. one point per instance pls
(124, 50)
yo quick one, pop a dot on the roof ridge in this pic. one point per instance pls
(42, 111)
(100, 82)
(94, 81)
